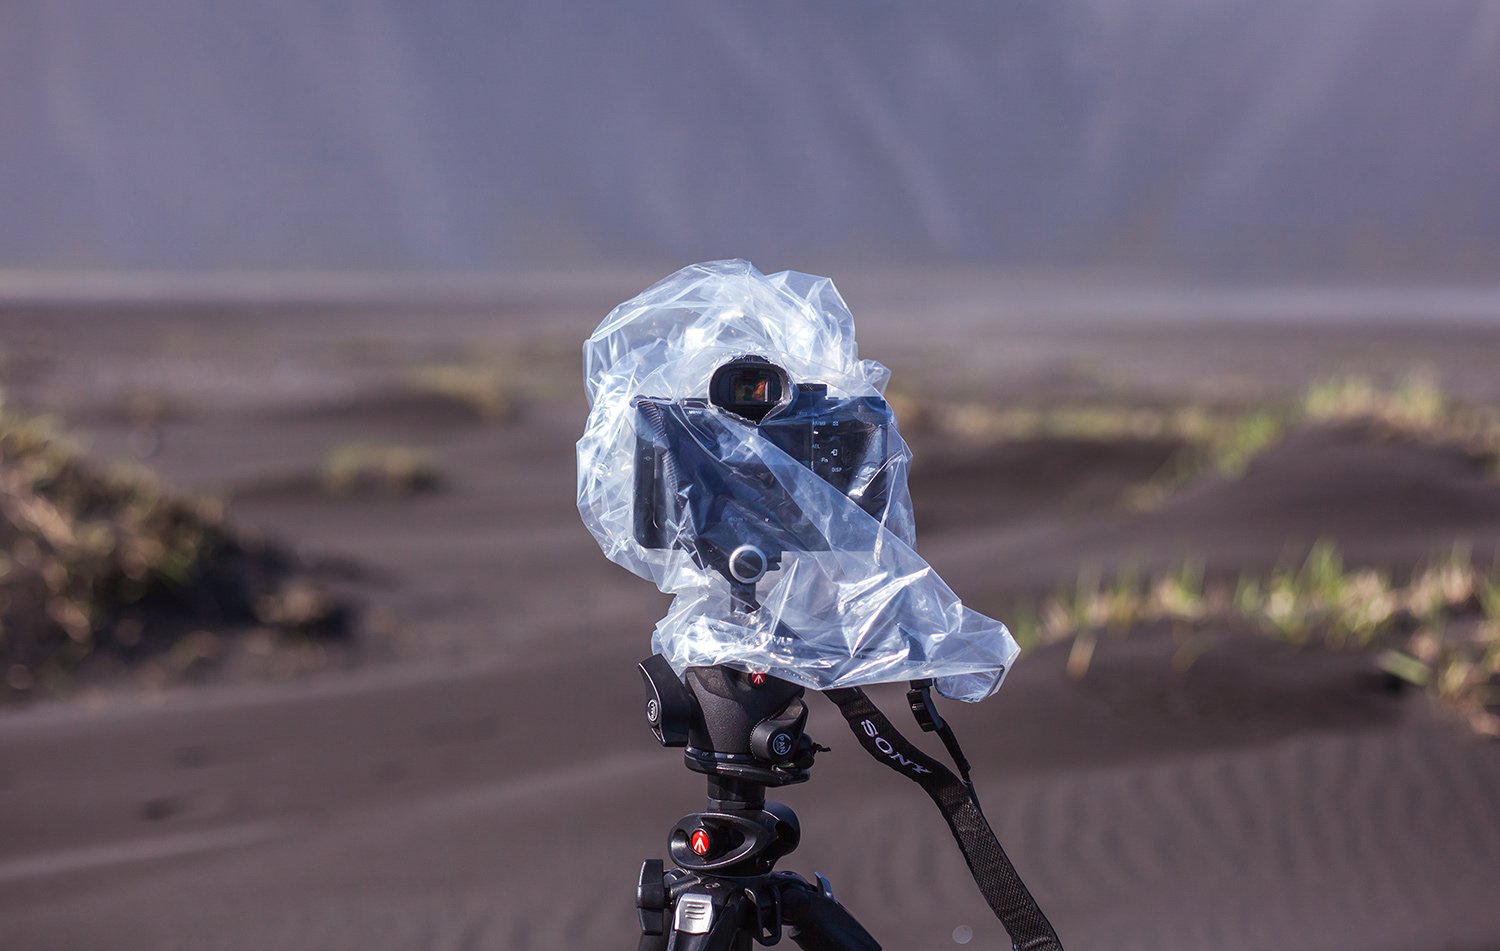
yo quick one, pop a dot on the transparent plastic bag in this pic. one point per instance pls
(688, 494)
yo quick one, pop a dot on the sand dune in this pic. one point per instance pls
(482, 779)
(423, 811)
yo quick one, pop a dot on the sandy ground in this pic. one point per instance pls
(482, 779)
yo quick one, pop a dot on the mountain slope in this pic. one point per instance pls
(1331, 136)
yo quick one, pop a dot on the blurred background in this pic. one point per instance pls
(1194, 322)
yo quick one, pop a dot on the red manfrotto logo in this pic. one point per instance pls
(700, 842)
(757, 679)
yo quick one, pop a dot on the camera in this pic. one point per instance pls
(714, 483)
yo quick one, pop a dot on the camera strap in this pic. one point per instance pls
(996, 877)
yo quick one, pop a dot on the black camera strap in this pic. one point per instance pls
(1002, 887)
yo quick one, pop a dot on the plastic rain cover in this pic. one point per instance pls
(850, 602)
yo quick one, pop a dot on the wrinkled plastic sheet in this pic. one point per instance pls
(851, 602)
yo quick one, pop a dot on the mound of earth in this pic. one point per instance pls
(1388, 498)
(1012, 481)
(101, 566)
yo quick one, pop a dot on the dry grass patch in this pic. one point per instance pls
(1225, 441)
(497, 383)
(104, 561)
(487, 391)
(1438, 629)
(1416, 403)
(375, 469)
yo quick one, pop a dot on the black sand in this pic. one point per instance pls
(481, 779)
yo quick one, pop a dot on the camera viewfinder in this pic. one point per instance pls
(750, 387)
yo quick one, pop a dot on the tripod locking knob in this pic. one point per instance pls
(651, 898)
(776, 738)
(669, 706)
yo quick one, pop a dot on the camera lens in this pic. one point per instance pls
(750, 387)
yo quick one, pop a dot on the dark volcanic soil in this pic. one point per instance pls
(484, 782)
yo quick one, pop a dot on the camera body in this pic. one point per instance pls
(701, 488)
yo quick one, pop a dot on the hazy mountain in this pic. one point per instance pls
(1322, 136)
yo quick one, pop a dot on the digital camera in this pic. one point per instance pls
(703, 484)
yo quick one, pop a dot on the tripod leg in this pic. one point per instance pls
(818, 923)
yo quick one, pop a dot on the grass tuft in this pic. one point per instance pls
(374, 469)
(1439, 631)
(104, 560)
(1416, 403)
(486, 390)
(1233, 445)
(1226, 441)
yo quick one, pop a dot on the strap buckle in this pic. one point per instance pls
(927, 717)
(922, 707)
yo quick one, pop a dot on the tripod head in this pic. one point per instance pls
(745, 733)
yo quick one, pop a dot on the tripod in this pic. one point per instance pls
(745, 733)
